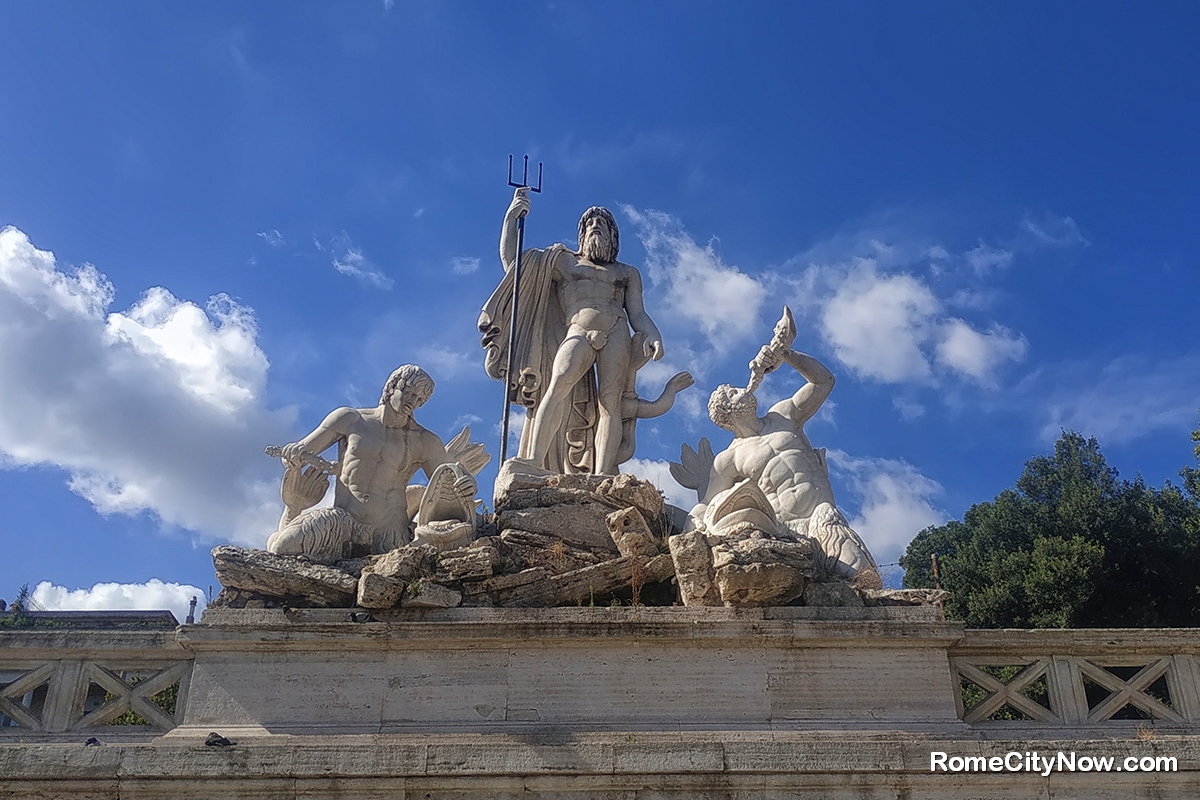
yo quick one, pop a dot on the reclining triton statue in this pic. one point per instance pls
(374, 507)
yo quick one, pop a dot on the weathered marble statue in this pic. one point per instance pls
(379, 450)
(574, 345)
(770, 479)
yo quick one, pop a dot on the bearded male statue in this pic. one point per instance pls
(574, 342)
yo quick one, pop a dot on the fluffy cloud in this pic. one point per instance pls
(462, 265)
(876, 324)
(153, 595)
(895, 502)
(155, 409)
(658, 472)
(891, 327)
(719, 299)
(976, 354)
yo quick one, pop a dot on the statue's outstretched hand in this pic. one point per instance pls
(680, 381)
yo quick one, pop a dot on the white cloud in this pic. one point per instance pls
(876, 324)
(895, 502)
(461, 265)
(447, 363)
(1054, 231)
(892, 327)
(349, 260)
(1121, 401)
(464, 420)
(272, 237)
(156, 409)
(418, 213)
(153, 595)
(658, 472)
(975, 354)
(909, 410)
(719, 299)
(984, 258)
(516, 425)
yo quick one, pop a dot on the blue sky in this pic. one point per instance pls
(982, 215)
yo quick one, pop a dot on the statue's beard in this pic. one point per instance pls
(597, 248)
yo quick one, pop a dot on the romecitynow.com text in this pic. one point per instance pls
(1032, 761)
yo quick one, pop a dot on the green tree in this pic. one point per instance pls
(1072, 545)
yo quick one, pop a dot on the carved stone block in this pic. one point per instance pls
(631, 534)
(760, 571)
(694, 569)
(581, 523)
(283, 576)
(471, 563)
(524, 550)
(424, 593)
(378, 591)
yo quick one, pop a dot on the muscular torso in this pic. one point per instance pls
(377, 464)
(592, 296)
(785, 466)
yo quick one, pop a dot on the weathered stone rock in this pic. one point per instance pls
(760, 571)
(832, 594)
(523, 550)
(469, 563)
(384, 578)
(628, 490)
(581, 523)
(406, 564)
(378, 591)
(631, 534)
(518, 489)
(424, 593)
(355, 566)
(501, 584)
(905, 597)
(286, 577)
(590, 584)
(694, 569)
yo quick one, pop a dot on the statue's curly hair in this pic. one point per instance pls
(727, 402)
(609, 221)
(405, 376)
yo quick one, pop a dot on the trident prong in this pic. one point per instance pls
(524, 184)
(510, 384)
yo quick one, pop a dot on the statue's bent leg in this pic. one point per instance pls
(843, 553)
(322, 533)
(575, 357)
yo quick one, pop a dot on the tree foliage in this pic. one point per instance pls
(1072, 545)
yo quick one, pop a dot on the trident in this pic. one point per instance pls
(510, 388)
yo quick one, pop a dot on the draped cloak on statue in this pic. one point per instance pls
(541, 328)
